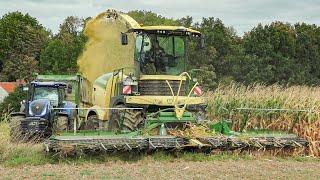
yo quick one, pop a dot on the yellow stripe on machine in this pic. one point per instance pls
(163, 100)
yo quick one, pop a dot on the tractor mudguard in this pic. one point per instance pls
(70, 109)
(17, 114)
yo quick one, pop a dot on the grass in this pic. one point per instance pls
(189, 166)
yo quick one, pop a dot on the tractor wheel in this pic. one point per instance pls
(15, 128)
(74, 120)
(129, 118)
(92, 123)
(71, 124)
(61, 124)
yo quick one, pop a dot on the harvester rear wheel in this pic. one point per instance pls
(129, 118)
(15, 128)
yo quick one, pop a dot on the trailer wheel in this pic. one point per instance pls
(15, 128)
(92, 123)
(61, 124)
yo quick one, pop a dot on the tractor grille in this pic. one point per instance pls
(33, 125)
(160, 87)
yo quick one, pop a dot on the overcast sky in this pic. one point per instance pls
(241, 14)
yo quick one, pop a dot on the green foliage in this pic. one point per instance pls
(279, 53)
(148, 18)
(21, 41)
(11, 103)
(61, 53)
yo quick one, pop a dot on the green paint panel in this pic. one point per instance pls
(165, 117)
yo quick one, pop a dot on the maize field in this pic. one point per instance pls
(294, 109)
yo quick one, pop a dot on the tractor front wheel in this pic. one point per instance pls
(15, 128)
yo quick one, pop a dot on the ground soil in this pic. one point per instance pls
(178, 169)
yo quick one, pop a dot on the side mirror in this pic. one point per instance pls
(124, 39)
(202, 43)
(69, 89)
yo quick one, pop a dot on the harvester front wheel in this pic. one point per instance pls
(15, 128)
(126, 119)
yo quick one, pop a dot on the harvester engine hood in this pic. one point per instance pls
(39, 108)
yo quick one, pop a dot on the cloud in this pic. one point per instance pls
(241, 14)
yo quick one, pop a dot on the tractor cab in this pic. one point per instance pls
(55, 92)
(162, 50)
(42, 97)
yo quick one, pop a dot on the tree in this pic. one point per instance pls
(20, 67)
(148, 18)
(21, 41)
(11, 103)
(61, 54)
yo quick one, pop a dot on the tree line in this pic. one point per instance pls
(282, 53)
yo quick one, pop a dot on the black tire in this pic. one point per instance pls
(74, 118)
(130, 119)
(71, 124)
(60, 124)
(92, 123)
(114, 120)
(15, 128)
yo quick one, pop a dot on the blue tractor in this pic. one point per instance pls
(44, 112)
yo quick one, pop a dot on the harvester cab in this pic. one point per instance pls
(159, 83)
(162, 50)
(43, 112)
